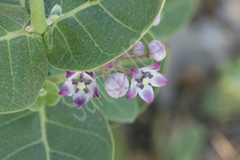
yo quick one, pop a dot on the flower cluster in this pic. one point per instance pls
(82, 85)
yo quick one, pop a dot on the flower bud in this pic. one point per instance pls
(138, 49)
(110, 64)
(117, 85)
(156, 50)
(157, 21)
(56, 10)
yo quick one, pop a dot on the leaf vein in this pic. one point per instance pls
(117, 20)
(65, 154)
(22, 148)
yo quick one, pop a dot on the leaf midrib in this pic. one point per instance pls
(42, 115)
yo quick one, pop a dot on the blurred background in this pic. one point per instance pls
(197, 115)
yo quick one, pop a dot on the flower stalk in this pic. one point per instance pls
(133, 56)
(122, 69)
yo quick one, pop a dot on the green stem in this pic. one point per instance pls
(38, 21)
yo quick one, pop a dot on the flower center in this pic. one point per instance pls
(145, 81)
(81, 85)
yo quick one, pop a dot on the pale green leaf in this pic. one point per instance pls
(51, 98)
(23, 67)
(40, 102)
(55, 133)
(175, 15)
(90, 34)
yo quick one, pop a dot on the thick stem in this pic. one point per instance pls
(122, 69)
(38, 21)
(133, 56)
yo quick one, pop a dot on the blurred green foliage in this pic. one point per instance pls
(184, 144)
(222, 101)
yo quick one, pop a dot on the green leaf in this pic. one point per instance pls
(55, 133)
(40, 102)
(13, 2)
(175, 15)
(23, 67)
(51, 98)
(91, 34)
(120, 110)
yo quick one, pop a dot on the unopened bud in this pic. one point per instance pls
(156, 50)
(138, 49)
(110, 64)
(117, 85)
(157, 21)
(56, 10)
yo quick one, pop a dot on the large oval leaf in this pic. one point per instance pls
(55, 133)
(23, 67)
(92, 33)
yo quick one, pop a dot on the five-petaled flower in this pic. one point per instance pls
(81, 85)
(142, 81)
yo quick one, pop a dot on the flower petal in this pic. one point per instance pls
(132, 92)
(93, 90)
(68, 89)
(146, 94)
(80, 98)
(73, 75)
(135, 72)
(91, 74)
(110, 64)
(158, 80)
(155, 67)
(69, 74)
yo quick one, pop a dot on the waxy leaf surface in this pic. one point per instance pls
(23, 66)
(55, 133)
(92, 33)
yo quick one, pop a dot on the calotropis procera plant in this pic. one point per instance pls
(77, 36)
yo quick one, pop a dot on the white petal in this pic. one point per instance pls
(146, 94)
(158, 80)
(80, 98)
(132, 92)
(93, 90)
(68, 89)
(73, 75)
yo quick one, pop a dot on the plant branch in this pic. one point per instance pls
(122, 69)
(133, 56)
(38, 21)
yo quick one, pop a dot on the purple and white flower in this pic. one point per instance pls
(156, 50)
(117, 85)
(81, 85)
(142, 81)
(138, 49)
